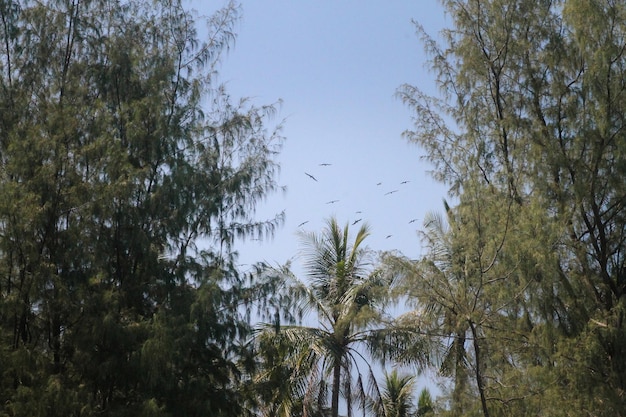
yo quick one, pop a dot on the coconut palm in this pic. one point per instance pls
(348, 297)
(281, 385)
(424, 404)
(441, 292)
(449, 320)
(397, 396)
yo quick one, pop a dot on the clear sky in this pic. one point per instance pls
(336, 64)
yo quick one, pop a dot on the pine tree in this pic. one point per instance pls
(528, 134)
(126, 174)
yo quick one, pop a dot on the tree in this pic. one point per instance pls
(348, 296)
(441, 294)
(281, 382)
(424, 404)
(397, 396)
(398, 400)
(126, 174)
(535, 91)
(459, 301)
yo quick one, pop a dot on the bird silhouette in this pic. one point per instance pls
(388, 236)
(379, 183)
(412, 221)
(311, 176)
(325, 165)
(405, 182)
(332, 201)
(356, 221)
(391, 192)
(303, 223)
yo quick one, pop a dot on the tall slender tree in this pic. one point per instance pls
(126, 174)
(536, 93)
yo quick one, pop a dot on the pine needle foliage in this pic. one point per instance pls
(527, 282)
(127, 173)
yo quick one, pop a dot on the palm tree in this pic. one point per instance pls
(397, 396)
(424, 404)
(348, 297)
(279, 385)
(447, 313)
(446, 300)
(397, 399)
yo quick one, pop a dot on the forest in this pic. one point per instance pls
(128, 174)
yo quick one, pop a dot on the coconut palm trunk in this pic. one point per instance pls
(334, 406)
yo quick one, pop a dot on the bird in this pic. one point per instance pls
(405, 182)
(391, 192)
(379, 183)
(325, 164)
(311, 176)
(388, 236)
(356, 221)
(332, 201)
(303, 223)
(412, 221)
(358, 212)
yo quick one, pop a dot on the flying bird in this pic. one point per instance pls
(388, 236)
(405, 182)
(391, 192)
(311, 176)
(358, 212)
(356, 221)
(325, 165)
(412, 221)
(303, 223)
(332, 201)
(379, 183)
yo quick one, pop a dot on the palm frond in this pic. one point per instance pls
(404, 345)
(348, 296)
(397, 396)
(306, 300)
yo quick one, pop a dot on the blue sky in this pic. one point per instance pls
(336, 66)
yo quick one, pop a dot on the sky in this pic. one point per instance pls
(336, 65)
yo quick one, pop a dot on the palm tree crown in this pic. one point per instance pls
(347, 294)
(397, 396)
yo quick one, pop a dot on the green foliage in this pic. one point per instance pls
(126, 175)
(424, 404)
(348, 295)
(397, 396)
(527, 281)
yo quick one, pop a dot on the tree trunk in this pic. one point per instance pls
(335, 394)
(479, 374)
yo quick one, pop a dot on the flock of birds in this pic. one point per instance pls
(312, 177)
(386, 201)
